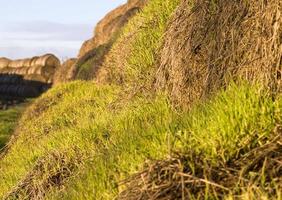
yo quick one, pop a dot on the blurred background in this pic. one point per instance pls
(35, 27)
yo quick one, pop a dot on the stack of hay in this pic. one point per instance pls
(27, 77)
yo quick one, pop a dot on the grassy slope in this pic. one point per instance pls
(88, 137)
(107, 140)
(8, 119)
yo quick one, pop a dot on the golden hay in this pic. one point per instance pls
(44, 66)
(111, 24)
(35, 77)
(47, 60)
(33, 60)
(65, 72)
(17, 63)
(4, 62)
(212, 43)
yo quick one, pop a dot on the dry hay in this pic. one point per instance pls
(4, 62)
(35, 78)
(45, 60)
(52, 171)
(46, 72)
(65, 72)
(192, 177)
(33, 60)
(208, 43)
(43, 67)
(112, 23)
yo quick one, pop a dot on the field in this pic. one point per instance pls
(8, 122)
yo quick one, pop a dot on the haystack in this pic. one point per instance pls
(65, 72)
(111, 24)
(214, 42)
(47, 60)
(17, 63)
(4, 62)
(43, 66)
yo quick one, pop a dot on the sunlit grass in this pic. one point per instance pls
(114, 138)
(8, 122)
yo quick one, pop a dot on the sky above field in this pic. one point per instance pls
(35, 27)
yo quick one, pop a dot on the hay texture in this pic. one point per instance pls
(65, 72)
(210, 43)
(4, 62)
(51, 171)
(111, 24)
(44, 66)
(193, 177)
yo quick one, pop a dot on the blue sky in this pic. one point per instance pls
(34, 27)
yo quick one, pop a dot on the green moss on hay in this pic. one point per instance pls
(133, 57)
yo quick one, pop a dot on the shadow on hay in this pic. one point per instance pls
(17, 87)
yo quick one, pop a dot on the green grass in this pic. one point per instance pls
(140, 42)
(87, 65)
(8, 122)
(108, 139)
(237, 120)
(92, 136)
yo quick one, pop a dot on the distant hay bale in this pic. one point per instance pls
(47, 60)
(45, 71)
(41, 68)
(27, 62)
(33, 60)
(214, 42)
(4, 62)
(36, 78)
(17, 63)
(111, 24)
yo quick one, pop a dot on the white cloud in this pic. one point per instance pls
(30, 38)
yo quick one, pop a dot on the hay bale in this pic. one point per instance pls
(27, 62)
(111, 24)
(47, 60)
(4, 62)
(35, 78)
(213, 43)
(33, 60)
(16, 63)
(65, 72)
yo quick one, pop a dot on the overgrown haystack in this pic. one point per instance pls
(87, 66)
(210, 43)
(65, 72)
(111, 24)
(93, 51)
(132, 59)
(190, 176)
